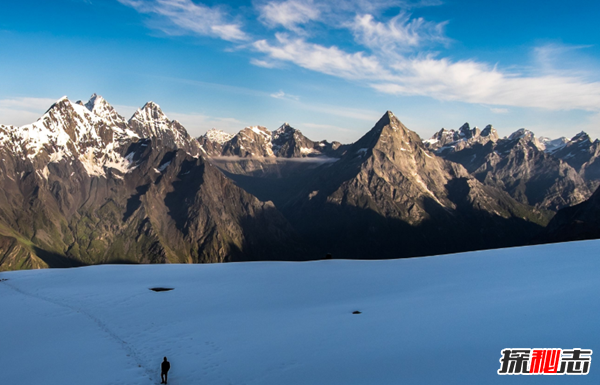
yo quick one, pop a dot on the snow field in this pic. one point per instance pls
(435, 320)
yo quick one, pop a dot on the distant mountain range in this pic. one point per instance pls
(84, 185)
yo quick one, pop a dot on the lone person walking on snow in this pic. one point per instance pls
(164, 369)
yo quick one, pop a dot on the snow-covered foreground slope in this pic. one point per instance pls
(436, 320)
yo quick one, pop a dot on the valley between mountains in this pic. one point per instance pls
(83, 185)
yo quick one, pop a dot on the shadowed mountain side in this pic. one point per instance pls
(363, 233)
(269, 167)
(574, 223)
(270, 187)
(517, 166)
(84, 186)
(56, 260)
(389, 197)
(171, 207)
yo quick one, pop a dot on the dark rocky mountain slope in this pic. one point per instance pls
(80, 188)
(83, 185)
(388, 196)
(520, 166)
(574, 223)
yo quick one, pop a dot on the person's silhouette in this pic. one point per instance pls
(164, 369)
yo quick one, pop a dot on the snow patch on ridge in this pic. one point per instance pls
(72, 130)
(218, 136)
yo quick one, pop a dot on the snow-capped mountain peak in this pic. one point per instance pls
(151, 122)
(283, 131)
(553, 145)
(217, 136)
(100, 107)
(150, 113)
(521, 133)
(67, 130)
(92, 134)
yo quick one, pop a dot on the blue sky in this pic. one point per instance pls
(330, 69)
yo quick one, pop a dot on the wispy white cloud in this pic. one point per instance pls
(394, 60)
(185, 16)
(329, 60)
(265, 63)
(555, 58)
(27, 104)
(474, 82)
(392, 54)
(289, 14)
(294, 15)
(20, 111)
(466, 81)
(499, 110)
(399, 33)
(283, 95)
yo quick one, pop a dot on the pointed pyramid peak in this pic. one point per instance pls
(582, 136)
(389, 119)
(149, 112)
(490, 131)
(60, 103)
(285, 127)
(94, 101)
(389, 134)
(521, 133)
(385, 120)
(100, 107)
(151, 105)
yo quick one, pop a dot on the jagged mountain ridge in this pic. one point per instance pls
(574, 223)
(531, 170)
(84, 185)
(390, 196)
(81, 188)
(256, 151)
(445, 141)
(258, 141)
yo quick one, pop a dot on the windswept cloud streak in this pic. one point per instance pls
(473, 82)
(288, 14)
(389, 54)
(21, 111)
(399, 34)
(283, 95)
(328, 60)
(441, 79)
(185, 16)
